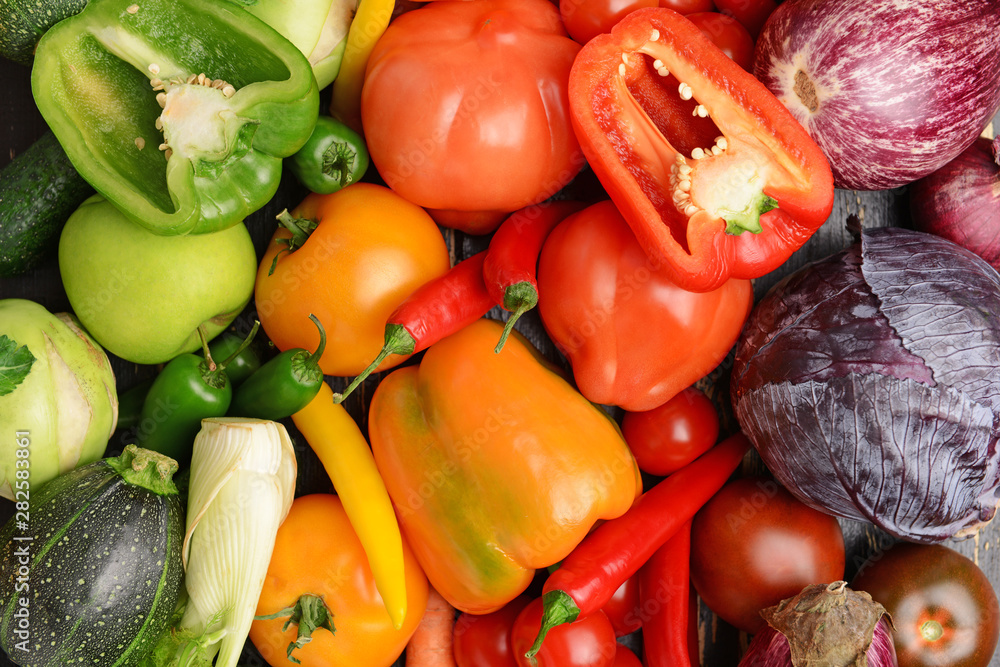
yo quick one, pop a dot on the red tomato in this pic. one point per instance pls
(634, 338)
(665, 439)
(728, 34)
(585, 19)
(754, 544)
(942, 605)
(751, 13)
(586, 642)
(623, 609)
(483, 640)
(624, 657)
(688, 6)
(465, 108)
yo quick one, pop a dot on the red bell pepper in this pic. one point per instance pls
(713, 174)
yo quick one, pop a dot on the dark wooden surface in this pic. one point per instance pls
(20, 125)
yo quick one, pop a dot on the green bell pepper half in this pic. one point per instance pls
(221, 94)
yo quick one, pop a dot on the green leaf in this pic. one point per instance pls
(15, 364)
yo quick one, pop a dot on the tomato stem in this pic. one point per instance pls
(931, 630)
(309, 613)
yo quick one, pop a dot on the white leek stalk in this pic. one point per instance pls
(242, 485)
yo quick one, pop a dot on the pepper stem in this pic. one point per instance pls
(397, 341)
(557, 608)
(244, 345)
(315, 356)
(309, 613)
(518, 298)
(300, 228)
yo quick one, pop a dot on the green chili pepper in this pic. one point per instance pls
(130, 404)
(179, 112)
(190, 388)
(239, 366)
(282, 386)
(332, 158)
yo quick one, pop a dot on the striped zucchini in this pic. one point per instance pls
(92, 574)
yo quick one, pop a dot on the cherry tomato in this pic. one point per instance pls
(624, 657)
(942, 605)
(667, 438)
(688, 6)
(754, 544)
(483, 640)
(316, 551)
(624, 609)
(585, 19)
(370, 250)
(465, 108)
(586, 642)
(751, 13)
(728, 34)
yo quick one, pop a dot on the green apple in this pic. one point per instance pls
(143, 296)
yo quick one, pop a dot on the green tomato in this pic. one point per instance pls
(333, 157)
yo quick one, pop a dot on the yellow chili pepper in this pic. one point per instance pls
(342, 449)
(369, 23)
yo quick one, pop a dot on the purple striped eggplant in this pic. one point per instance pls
(890, 90)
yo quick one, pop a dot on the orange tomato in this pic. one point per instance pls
(370, 250)
(316, 551)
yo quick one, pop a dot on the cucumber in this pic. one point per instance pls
(23, 22)
(39, 190)
(91, 564)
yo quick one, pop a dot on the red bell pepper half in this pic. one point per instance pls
(713, 174)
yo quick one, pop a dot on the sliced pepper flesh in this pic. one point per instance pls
(178, 112)
(713, 174)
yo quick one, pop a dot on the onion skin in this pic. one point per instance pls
(961, 201)
(898, 89)
(769, 648)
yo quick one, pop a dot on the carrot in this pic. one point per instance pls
(431, 643)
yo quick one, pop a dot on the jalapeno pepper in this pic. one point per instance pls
(332, 158)
(238, 367)
(188, 389)
(282, 386)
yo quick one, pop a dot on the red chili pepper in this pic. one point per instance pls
(435, 310)
(512, 257)
(616, 549)
(665, 597)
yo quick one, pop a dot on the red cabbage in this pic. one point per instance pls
(870, 384)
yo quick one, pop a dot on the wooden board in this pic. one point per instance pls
(20, 125)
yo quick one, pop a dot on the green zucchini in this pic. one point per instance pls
(91, 571)
(39, 190)
(23, 22)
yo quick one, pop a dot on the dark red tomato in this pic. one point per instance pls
(751, 13)
(728, 34)
(623, 609)
(943, 607)
(754, 544)
(688, 6)
(586, 642)
(665, 439)
(585, 19)
(483, 640)
(624, 657)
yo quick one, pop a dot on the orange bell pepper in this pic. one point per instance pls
(496, 465)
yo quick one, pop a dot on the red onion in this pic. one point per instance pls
(855, 631)
(891, 91)
(961, 201)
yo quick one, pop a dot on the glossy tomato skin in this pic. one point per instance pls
(465, 105)
(586, 642)
(317, 551)
(751, 13)
(371, 250)
(667, 438)
(754, 544)
(728, 34)
(585, 19)
(483, 640)
(624, 657)
(686, 7)
(943, 607)
(624, 608)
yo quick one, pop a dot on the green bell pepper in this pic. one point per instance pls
(224, 97)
